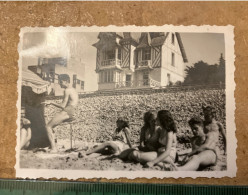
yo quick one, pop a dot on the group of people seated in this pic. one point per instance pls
(158, 136)
(158, 141)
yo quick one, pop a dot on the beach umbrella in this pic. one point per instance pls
(37, 84)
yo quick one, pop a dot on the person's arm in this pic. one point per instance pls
(166, 152)
(221, 129)
(126, 131)
(142, 137)
(209, 143)
(65, 100)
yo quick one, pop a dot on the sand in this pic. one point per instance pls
(77, 160)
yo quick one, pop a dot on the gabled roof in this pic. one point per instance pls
(145, 40)
(181, 47)
(107, 40)
(159, 40)
(140, 40)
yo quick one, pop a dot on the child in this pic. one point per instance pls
(166, 152)
(203, 147)
(25, 131)
(121, 140)
(68, 107)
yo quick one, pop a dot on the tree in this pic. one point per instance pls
(221, 69)
(202, 73)
(197, 74)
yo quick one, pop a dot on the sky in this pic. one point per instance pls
(54, 43)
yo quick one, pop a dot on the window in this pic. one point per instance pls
(119, 53)
(82, 85)
(173, 38)
(146, 54)
(168, 79)
(110, 55)
(172, 59)
(128, 80)
(146, 78)
(106, 76)
(74, 80)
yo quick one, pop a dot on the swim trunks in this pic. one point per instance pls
(70, 110)
(216, 152)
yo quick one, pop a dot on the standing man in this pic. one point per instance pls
(68, 107)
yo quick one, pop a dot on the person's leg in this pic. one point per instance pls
(57, 119)
(102, 147)
(205, 158)
(23, 138)
(124, 154)
(28, 138)
(142, 157)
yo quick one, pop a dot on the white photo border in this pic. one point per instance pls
(89, 174)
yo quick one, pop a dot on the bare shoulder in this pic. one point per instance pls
(219, 124)
(213, 135)
(126, 129)
(71, 91)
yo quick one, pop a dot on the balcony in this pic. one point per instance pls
(111, 63)
(138, 84)
(144, 64)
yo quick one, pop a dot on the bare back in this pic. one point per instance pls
(211, 127)
(212, 134)
(72, 96)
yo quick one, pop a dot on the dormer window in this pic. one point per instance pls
(146, 54)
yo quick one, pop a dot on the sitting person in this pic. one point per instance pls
(211, 124)
(121, 140)
(166, 140)
(25, 131)
(148, 136)
(203, 147)
(149, 133)
(68, 106)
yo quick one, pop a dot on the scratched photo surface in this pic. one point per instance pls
(128, 102)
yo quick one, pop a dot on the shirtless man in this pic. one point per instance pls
(203, 147)
(68, 106)
(210, 123)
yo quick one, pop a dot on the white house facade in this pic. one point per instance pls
(147, 59)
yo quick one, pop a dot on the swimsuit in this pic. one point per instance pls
(70, 110)
(216, 152)
(163, 141)
(120, 139)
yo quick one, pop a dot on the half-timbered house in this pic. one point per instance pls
(147, 59)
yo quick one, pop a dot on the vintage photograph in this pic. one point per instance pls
(111, 102)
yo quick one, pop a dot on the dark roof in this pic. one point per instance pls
(181, 47)
(144, 40)
(159, 40)
(140, 40)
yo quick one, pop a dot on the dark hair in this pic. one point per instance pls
(209, 109)
(64, 77)
(125, 122)
(196, 120)
(166, 120)
(147, 118)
